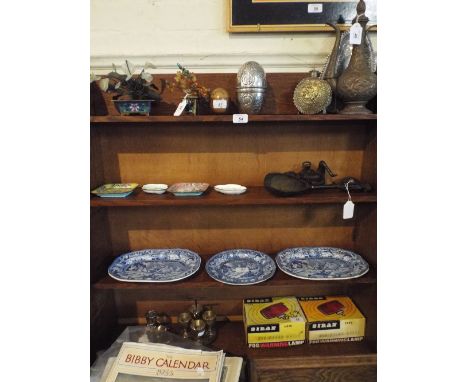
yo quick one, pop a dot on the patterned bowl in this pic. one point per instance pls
(188, 189)
(135, 107)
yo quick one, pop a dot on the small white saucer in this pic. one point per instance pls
(155, 188)
(230, 189)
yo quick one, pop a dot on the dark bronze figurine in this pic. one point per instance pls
(315, 178)
(291, 183)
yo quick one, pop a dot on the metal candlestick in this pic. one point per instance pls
(209, 316)
(184, 320)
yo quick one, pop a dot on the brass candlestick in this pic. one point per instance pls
(197, 329)
(196, 311)
(184, 320)
(163, 322)
(209, 316)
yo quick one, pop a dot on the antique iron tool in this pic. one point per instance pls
(291, 183)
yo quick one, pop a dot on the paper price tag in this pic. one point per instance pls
(240, 118)
(355, 34)
(348, 210)
(180, 108)
(296, 319)
(314, 8)
(201, 334)
(219, 104)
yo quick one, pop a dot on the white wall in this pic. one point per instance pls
(193, 32)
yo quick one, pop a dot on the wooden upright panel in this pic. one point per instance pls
(278, 99)
(208, 230)
(219, 154)
(162, 149)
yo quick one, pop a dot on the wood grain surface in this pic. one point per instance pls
(253, 196)
(210, 148)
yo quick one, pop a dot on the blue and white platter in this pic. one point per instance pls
(155, 265)
(321, 263)
(240, 267)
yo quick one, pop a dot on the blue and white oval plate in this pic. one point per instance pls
(321, 263)
(155, 265)
(240, 267)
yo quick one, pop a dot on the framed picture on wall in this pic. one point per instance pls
(293, 15)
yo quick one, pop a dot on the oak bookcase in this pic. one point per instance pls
(161, 148)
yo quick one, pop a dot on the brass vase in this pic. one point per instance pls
(358, 84)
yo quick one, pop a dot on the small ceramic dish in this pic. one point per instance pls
(188, 189)
(155, 188)
(230, 189)
(115, 190)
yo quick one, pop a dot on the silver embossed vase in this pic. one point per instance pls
(251, 87)
(357, 85)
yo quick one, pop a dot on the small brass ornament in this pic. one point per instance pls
(312, 94)
(219, 101)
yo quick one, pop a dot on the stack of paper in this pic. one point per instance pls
(138, 362)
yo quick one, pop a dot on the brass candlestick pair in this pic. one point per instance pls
(156, 323)
(198, 324)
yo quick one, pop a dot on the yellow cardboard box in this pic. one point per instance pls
(272, 322)
(332, 319)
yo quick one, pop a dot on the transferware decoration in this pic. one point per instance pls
(219, 102)
(312, 95)
(240, 267)
(155, 265)
(321, 263)
(358, 83)
(251, 87)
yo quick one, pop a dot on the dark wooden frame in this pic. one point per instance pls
(210, 148)
(291, 15)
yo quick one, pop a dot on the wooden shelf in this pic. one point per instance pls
(228, 118)
(231, 338)
(202, 287)
(253, 196)
(212, 148)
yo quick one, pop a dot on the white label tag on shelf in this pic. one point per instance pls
(201, 334)
(355, 34)
(314, 8)
(240, 118)
(219, 104)
(348, 210)
(296, 319)
(180, 108)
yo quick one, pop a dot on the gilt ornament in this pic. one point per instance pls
(312, 95)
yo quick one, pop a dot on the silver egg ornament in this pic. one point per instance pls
(251, 87)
